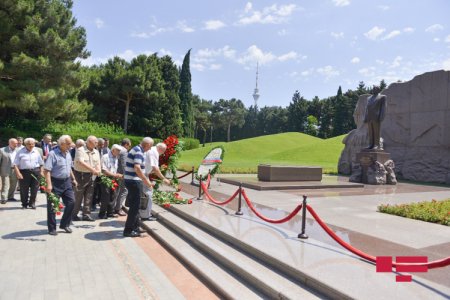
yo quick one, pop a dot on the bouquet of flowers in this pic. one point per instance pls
(109, 182)
(168, 161)
(55, 202)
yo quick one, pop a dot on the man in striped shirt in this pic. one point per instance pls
(134, 180)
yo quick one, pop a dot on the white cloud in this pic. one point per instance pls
(383, 7)
(446, 65)
(288, 56)
(215, 67)
(99, 23)
(282, 32)
(184, 27)
(273, 14)
(447, 39)
(434, 28)
(436, 40)
(396, 62)
(374, 33)
(379, 61)
(307, 72)
(355, 60)
(392, 34)
(369, 71)
(248, 7)
(253, 54)
(198, 67)
(408, 30)
(210, 55)
(341, 2)
(214, 25)
(328, 72)
(337, 35)
(163, 52)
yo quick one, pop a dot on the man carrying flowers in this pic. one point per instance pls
(60, 178)
(109, 184)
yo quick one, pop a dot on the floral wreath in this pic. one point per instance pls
(216, 163)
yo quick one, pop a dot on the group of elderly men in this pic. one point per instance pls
(71, 172)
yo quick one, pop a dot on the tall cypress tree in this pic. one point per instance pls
(187, 113)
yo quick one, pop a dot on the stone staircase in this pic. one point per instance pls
(231, 268)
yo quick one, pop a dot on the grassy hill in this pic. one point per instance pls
(290, 148)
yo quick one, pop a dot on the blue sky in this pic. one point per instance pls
(310, 46)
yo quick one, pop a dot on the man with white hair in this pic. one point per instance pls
(60, 178)
(9, 179)
(28, 167)
(108, 194)
(152, 167)
(86, 169)
(134, 179)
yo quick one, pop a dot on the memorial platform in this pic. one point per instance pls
(252, 182)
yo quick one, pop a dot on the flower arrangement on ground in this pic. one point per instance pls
(109, 182)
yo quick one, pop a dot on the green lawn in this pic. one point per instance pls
(290, 148)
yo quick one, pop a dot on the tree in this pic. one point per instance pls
(311, 125)
(39, 45)
(229, 113)
(326, 118)
(187, 114)
(297, 111)
(343, 119)
(202, 115)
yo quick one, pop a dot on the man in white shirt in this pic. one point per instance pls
(108, 195)
(151, 158)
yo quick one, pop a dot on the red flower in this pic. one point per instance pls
(42, 187)
(113, 188)
(61, 206)
(58, 213)
(166, 205)
(190, 201)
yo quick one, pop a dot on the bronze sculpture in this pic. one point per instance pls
(374, 115)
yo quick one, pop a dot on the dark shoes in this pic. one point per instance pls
(120, 213)
(102, 216)
(88, 218)
(3, 202)
(131, 234)
(76, 218)
(53, 232)
(149, 219)
(66, 229)
(112, 215)
(32, 206)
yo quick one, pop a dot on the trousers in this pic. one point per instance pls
(134, 188)
(61, 188)
(29, 185)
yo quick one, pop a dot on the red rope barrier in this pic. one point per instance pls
(431, 265)
(285, 219)
(208, 195)
(182, 176)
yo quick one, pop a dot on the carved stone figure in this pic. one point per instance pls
(374, 115)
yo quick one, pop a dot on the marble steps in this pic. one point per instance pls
(231, 272)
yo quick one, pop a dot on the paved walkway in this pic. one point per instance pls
(94, 262)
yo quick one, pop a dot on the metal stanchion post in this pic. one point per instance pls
(239, 212)
(209, 176)
(303, 235)
(200, 189)
(192, 175)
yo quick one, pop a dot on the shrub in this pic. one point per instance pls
(189, 143)
(434, 211)
(85, 128)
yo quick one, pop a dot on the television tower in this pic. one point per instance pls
(256, 92)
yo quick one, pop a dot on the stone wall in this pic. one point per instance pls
(416, 129)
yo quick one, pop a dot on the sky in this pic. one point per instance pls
(310, 46)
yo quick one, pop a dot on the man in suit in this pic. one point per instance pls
(46, 145)
(374, 115)
(9, 179)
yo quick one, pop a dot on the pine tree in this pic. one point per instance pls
(39, 45)
(297, 112)
(187, 114)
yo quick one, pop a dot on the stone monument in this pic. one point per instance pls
(415, 131)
